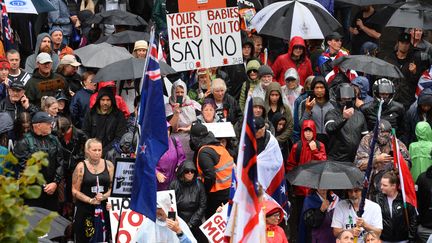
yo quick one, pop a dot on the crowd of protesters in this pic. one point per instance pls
(309, 109)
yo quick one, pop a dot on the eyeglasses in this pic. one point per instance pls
(189, 171)
(253, 70)
(277, 215)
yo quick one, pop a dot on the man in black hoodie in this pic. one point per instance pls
(214, 165)
(419, 111)
(105, 121)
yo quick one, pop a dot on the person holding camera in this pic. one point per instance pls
(344, 125)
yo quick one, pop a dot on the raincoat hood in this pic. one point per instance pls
(425, 97)
(308, 124)
(423, 131)
(297, 41)
(271, 207)
(186, 165)
(273, 86)
(258, 101)
(363, 84)
(173, 96)
(106, 91)
(248, 41)
(252, 64)
(291, 73)
(108, 84)
(275, 120)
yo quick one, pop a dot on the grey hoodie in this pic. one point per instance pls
(30, 64)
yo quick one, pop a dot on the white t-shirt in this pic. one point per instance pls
(345, 217)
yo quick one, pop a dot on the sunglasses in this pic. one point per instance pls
(298, 47)
(189, 171)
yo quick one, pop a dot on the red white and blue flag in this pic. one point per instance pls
(425, 81)
(245, 223)
(153, 140)
(6, 29)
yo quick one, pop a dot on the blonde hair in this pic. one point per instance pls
(89, 142)
(47, 102)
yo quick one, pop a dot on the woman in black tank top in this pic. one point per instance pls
(91, 186)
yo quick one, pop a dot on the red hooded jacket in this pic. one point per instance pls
(274, 233)
(306, 154)
(284, 62)
(121, 104)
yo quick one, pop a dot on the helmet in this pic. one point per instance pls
(383, 86)
(345, 95)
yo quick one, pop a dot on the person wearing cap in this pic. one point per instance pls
(200, 90)
(164, 229)
(297, 58)
(419, 111)
(250, 83)
(59, 45)
(265, 74)
(214, 165)
(344, 125)
(43, 44)
(16, 101)
(140, 49)
(44, 81)
(333, 51)
(16, 73)
(345, 216)
(68, 70)
(61, 18)
(292, 88)
(362, 30)
(40, 139)
(407, 60)
(395, 211)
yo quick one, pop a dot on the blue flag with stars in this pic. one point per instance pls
(153, 141)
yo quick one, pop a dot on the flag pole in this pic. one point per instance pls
(234, 222)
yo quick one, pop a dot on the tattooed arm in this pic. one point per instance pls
(77, 178)
(111, 174)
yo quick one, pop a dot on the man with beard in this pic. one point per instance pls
(363, 31)
(345, 216)
(43, 44)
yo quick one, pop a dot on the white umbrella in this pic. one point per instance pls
(305, 18)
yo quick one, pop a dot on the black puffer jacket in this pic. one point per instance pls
(395, 227)
(393, 112)
(191, 197)
(424, 198)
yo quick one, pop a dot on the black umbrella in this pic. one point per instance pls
(305, 18)
(326, 175)
(366, 2)
(369, 65)
(406, 15)
(256, 4)
(117, 17)
(58, 225)
(100, 55)
(127, 36)
(131, 68)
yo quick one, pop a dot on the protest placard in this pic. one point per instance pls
(123, 177)
(214, 227)
(203, 38)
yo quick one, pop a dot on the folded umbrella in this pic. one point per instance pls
(117, 17)
(131, 68)
(369, 65)
(412, 14)
(127, 36)
(305, 18)
(326, 175)
(101, 55)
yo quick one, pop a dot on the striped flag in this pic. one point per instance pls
(425, 81)
(244, 224)
(233, 189)
(7, 32)
(405, 177)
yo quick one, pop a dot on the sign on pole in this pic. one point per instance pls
(203, 35)
(214, 227)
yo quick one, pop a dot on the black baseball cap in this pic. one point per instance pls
(404, 37)
(16, 85)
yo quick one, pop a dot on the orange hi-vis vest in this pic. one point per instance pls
(223, 168)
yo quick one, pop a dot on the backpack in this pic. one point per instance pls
(299, 149)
